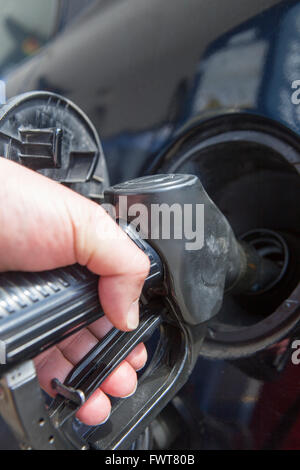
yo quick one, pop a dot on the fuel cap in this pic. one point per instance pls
(50, 134)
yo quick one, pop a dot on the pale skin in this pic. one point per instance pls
(45, 225)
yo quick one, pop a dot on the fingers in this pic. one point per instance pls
(59, 361)
(79, 344)
(122, 382)
(100, 327)
(138, 357)
(96, 410)
(46, 225)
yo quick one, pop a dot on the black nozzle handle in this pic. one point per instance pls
(38, 310)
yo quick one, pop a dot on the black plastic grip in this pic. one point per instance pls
(39, 309)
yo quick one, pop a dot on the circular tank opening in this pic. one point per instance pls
(252, 177)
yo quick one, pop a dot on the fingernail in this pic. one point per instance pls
(132, 393)
(133, 316)
(105, 420)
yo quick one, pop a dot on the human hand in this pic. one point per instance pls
(45, 225)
